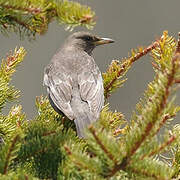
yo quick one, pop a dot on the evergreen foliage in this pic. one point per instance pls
(47, 147)
(31, 17)
(135, 150)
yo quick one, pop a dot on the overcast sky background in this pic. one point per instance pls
(130, 23)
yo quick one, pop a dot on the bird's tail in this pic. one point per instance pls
(82, 113)
(82, 122)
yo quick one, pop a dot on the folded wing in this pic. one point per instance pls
(92, 91)
(59, 87)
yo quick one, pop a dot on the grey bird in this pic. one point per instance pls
(74, 82)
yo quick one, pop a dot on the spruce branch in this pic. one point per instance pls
(67, 150)
(110, 156)
(12, 122)
(79, 161)
(33, 17)
(113, 120)
(146, 168)
(165, 118)
(11, 62)
(178, 44)
(112, 147)
(49, 133)
(117, 70)
(134, 149)
(157, 104)
(73, 14)
(8, 65)
(163, 146)
(177, 81)
(116, 168)
(25, 9)
(80, 164)
(144, 171)
(161, 106)
(10, 150)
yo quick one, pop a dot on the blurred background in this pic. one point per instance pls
(130, 23)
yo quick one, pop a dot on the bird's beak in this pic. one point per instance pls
(101, 41)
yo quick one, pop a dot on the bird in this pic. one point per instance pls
(74, 82)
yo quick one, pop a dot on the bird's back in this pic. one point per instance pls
(75, 86)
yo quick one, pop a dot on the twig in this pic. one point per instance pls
(43, 150)
(26, 177)
(171, 139)
(130, 61)
(178, 44)
(20, 22)
(92, 130)
(155, 66)
(144, 52)
(30, 10)
(163, 121)
(9, 153)
(145, 173)
(143, 137)
(177, 81)
(49, 133)
(67, 150)
(118, 167)
(163, 103)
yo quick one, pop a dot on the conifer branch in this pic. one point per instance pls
(163, 121)
(137, 144)
(160, 148)
(169, 85)
(164, 145)
(20, 22)
(163, 103)
(110, 156)
(146, 173)
(11, 148)
(178, 44)
(117, 167)
(177, 81)
(67, 150)
(33, 17)
(125, 66)
(49, 133)
(112, 120)
(26, 177)
(78, 163)
(33, 154)
(132, 152)
(155, 66)
(26, 9)
(144, 52)
(8, 93)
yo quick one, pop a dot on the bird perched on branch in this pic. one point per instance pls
(74, 82)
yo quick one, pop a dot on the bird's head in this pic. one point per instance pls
(86, 41)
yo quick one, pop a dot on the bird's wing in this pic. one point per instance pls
(60, 89)
(91, 90)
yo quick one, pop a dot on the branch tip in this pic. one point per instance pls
(110, 156)
(16, 138)
(67, 150)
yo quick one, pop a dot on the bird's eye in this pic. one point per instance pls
(88, 38)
